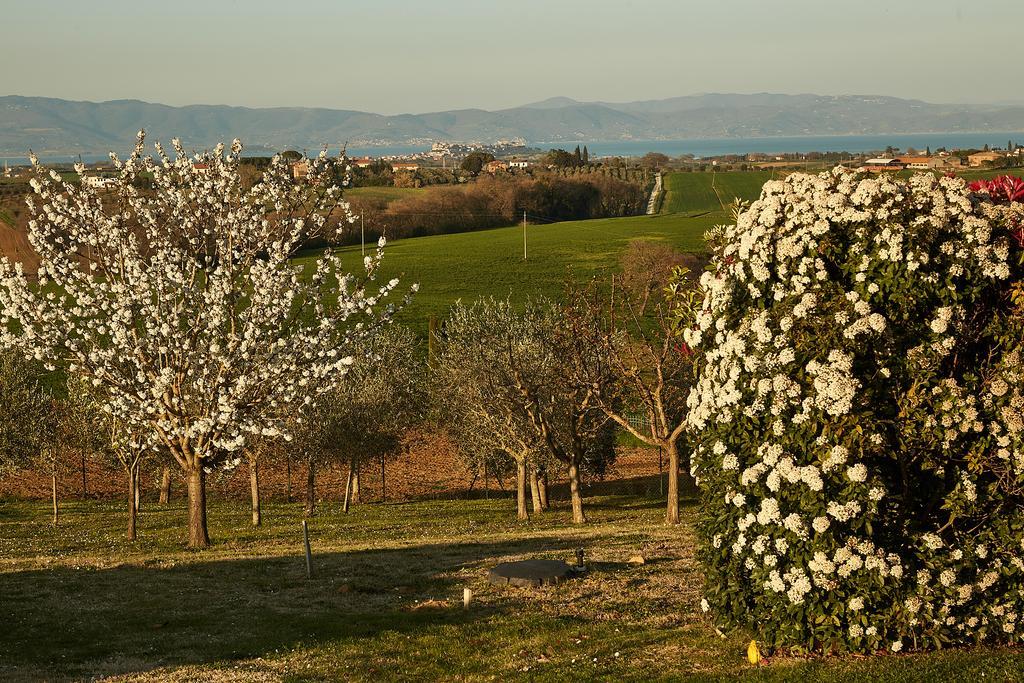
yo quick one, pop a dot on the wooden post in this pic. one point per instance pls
(467, 597)
(165, 486)
(53, 474)
(383, 482)
(348, 485)
(309, 554)
(524, 234)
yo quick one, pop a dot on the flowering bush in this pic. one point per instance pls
(859, 418)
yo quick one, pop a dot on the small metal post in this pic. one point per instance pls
(309, 555)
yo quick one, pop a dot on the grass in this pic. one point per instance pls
(387, 194)
(490, 262)
(699, 192)
(385, 602)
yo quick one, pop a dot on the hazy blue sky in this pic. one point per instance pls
(393, 56)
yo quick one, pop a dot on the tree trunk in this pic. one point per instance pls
(383, 482)
(254, 487)
(198, 536)
(521, 512)
(85, 481)
(538, 507)
(348, 485)
(310, 487)
(133, 505)
(672, 510)
(288, 479)
(574, 491)
(355, 482)
(138, 486)
(543, 486)
(56, 509)
(165, 486)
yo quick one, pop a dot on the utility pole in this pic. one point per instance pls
(524, 234)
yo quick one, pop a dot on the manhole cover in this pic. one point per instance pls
(530, 573)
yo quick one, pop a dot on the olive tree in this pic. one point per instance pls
(516, 363)
(369, 415)
(478, 404)
(23, 407)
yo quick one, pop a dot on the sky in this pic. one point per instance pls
(414, 56)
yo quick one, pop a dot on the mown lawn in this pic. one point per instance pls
(490, 262)
(385, 602)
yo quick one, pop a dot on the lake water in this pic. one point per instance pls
(710, 146)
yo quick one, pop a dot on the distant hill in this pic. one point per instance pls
(62, 127)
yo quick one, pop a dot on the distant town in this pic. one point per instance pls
(454, 162)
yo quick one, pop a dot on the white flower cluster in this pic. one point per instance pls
(828, 342)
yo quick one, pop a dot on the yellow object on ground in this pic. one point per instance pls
(753, 654)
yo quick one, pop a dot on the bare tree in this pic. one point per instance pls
(129, 450)
(647, 267)
(651, 369)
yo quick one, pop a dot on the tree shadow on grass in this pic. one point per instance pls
(74, 622)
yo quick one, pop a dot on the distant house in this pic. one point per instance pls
(519, 163)
(883, 164)
(404, 166)
(98, 181)
(982, 158)
(300, 169)
(363, 162)
(946, 161)
(495, 166)
(917, 162)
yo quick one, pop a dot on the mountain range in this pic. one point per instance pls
(61, 127)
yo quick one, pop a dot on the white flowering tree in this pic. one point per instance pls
(174, 291)
(859, 416)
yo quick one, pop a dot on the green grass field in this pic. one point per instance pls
(490, 262)
(387, 194)
(385, 602)
(699, 192)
